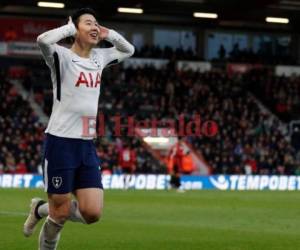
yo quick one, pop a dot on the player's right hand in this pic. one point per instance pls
(70, 22)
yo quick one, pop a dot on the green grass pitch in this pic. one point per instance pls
(166, 220)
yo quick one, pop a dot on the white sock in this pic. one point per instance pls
(49, 235)
(43, 210)
(75, 214)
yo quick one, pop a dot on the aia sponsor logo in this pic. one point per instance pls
(89, 80)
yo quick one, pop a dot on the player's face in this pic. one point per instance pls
(88, 29)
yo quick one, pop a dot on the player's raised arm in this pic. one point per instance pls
(122, 48)
(47, 40)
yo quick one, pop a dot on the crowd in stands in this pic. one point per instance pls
(152, 51)
(281, 94)
(263, 56)
(21, 134)
(249, 140)
(39, 85)
(237, 55)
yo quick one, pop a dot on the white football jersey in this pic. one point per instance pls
(76, 86)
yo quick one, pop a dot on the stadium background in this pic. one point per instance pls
(236, 70)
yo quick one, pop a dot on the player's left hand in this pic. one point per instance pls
(103, 32)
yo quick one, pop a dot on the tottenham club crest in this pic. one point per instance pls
(56, 181)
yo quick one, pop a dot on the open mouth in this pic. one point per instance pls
(94, 35)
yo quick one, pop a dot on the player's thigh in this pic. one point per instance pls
(90, 201)
(59, 206)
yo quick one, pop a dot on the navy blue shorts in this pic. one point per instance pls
(70, 164)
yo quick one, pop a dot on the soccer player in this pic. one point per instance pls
(70, 164)
(127, 162)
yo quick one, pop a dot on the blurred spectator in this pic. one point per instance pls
(222, 52)
(10, 34)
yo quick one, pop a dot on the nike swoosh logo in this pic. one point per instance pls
(75, 61)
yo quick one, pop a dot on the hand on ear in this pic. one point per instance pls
(103, 32)
(70, 22)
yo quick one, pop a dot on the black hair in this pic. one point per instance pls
(78, 13)
(75, 19)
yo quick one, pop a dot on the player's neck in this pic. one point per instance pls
(80, 50)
